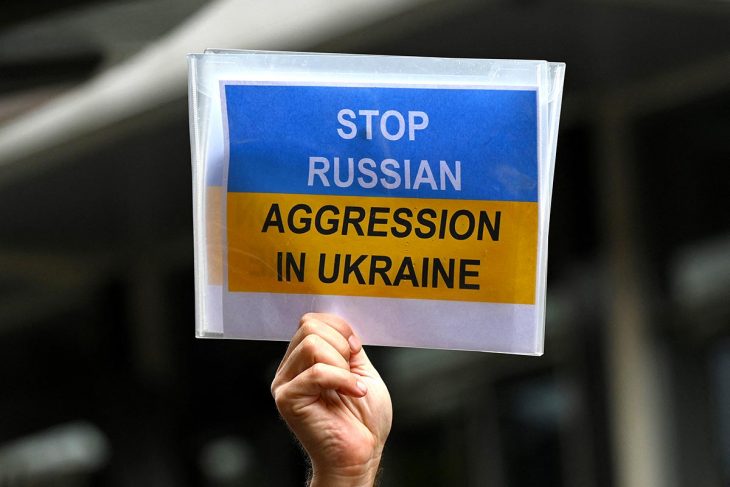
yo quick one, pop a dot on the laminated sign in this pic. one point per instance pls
(409, 195)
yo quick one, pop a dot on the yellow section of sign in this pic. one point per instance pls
(458, 250)
(214, 234)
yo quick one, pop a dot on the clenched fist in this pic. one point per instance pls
(334, 401)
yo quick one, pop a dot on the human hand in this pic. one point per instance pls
(334, 401)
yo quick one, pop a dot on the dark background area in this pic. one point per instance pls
(102, 382)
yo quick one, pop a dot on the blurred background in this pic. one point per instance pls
(103, 384)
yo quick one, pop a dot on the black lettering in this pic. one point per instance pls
(439, 269)
(406, 271)
(374, 220)
(335, 269)
(470, 228)
(306, 222)
(424, 272)
(442, 224)
(406, 224)
(464, 273)
(427, 223)
(292, 266)
(279, 260)
(493, 230)
(353, 268)
(333, 222)
(273, 218)
(348, 220)
(376, 268)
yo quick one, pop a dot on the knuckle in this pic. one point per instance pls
(280, 403)
(342, 347)
(309, 328)
(307, 318)
(280, 399)
(311, 343)
(317, 371)
(274, 387)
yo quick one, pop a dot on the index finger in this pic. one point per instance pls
(339, 324)
(314, 326)
(331, 327)
(334, 321)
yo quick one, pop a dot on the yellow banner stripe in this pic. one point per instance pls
(213, 233)
(484, 251)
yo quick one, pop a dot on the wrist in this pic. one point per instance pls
(361, 476)
(336, 480)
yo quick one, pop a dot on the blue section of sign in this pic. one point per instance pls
(274, 131)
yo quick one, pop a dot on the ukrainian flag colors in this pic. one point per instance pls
(454, 264)
(443, 209)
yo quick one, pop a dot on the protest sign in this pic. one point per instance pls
(409, 195)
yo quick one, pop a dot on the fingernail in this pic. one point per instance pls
(355, 343)
(361, 385)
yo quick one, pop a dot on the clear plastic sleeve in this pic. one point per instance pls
(409, 195)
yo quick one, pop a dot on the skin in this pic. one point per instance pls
(334, 401)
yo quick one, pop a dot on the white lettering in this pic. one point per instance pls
(384, 125)
(445, 172)
(367, 172)
(417, 120)
(347, 123)
(413, 125)
(318, 171)
(369, 114)
(388, 173)
(424, 175)
(385, 169)
(350, 173)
